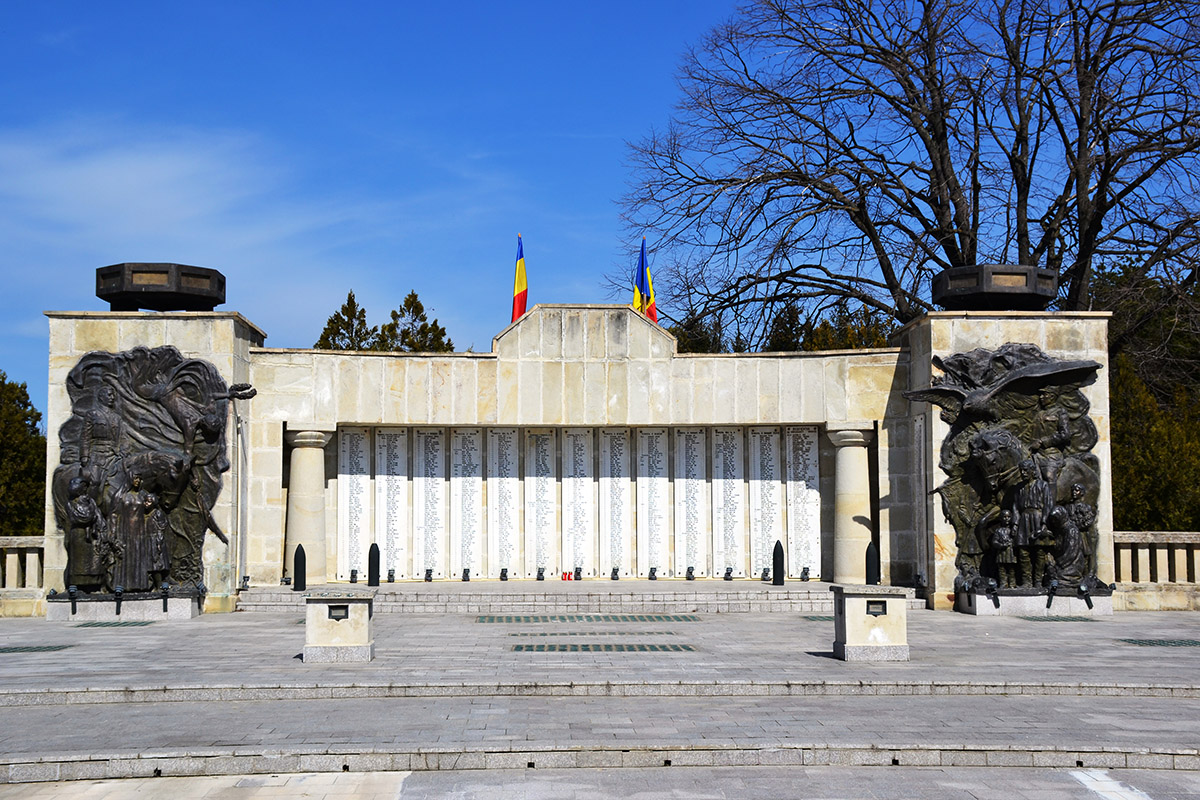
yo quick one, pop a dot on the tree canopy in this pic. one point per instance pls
(22, 462)
(831, 151)
(409, 330)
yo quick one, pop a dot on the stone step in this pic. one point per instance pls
(644, 597)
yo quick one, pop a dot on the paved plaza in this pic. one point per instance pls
(670, 704)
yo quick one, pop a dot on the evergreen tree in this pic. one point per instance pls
(410, 330)
(1155, 455)
(695, 335)
(22, 462)
(844, 329)
(347, 329)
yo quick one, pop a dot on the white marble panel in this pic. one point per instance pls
(504, 503)
(466, 502)
(429, 502)
(728, 501)
(355, 531)
(766, 497)
(653, 502)
(578, 502)
(541, 502)
(692, 529)
(803, 500)
(391, 501)
(616, 498)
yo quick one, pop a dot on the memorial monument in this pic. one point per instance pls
(582, 442)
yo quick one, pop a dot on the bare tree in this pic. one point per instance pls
(846, 150)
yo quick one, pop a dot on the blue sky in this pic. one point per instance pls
(305, 149)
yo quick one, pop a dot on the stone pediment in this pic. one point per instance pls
(583, 333)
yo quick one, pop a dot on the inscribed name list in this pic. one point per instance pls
(504, 503)
(466, 501)
(728, 502)
(691, 501)
(541, 502)
(391, 500)
(616, 512)
(429, 501)
(653, 505)
(355, 533)
(579, 502)
(766, 496)
(803, 500)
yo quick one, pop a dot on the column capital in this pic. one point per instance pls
(307, 438)
(851, 437)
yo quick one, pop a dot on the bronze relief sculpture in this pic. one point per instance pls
(1022, 481)
(140, 468)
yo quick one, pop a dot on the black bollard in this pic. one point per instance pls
(117, 592)
(73, 592)
(777, 565)
(165, 595)
(373, 565)
(299, 570)
(873, 573)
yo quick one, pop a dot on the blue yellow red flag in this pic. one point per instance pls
(520, 287)
(643, 288)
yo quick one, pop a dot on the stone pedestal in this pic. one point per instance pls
(851, 504)
(338, 626)
(58, 609)
(1068, 604)
(870, 623)
(306, 503)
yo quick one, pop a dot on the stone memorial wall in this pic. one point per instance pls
(607, 508)
(583, 439)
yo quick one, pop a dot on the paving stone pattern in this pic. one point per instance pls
(226, 694)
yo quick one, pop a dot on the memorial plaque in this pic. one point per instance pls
(466, 501)
(803, 500)
(391, 500)
(429, 502)
(355, 533)
(504, 503)
(653, 503)
(766, 497)
(579, 502)
(691, 502)
(728, 501)
(616, 512)
(541, 502)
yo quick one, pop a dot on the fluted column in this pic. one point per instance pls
(306, 503)
(851, 505)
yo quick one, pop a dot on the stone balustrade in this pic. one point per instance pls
(1155, 556)
(1156, 570)
(21, 588)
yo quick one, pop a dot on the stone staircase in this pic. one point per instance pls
(584, 597)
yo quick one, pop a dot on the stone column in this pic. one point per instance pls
(851, 505)
(306, 503)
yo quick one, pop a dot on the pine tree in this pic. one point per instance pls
(347, 329)
(22, 462)
(410, 330)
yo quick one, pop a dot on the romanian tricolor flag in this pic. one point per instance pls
(643, 288)
(520, 288)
